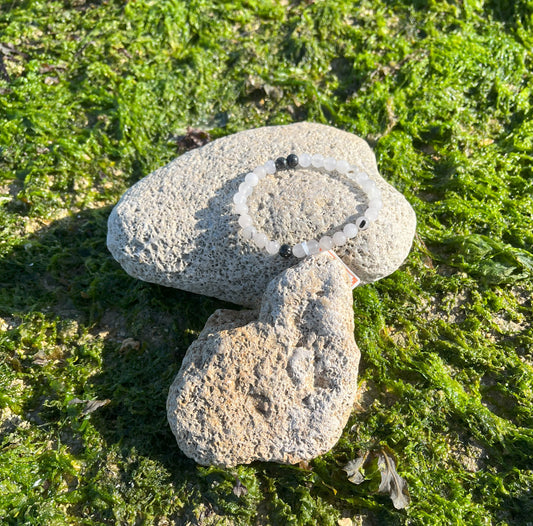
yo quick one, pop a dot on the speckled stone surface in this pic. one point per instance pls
(177, 226)
(278, 385)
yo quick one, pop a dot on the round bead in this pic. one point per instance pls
(368, 185)
(350, 230)
(312, 246)
(239, 198)
(251, 179)
(317, 160)
(272, 247)
(339, 238)
(330, 164)
(298, 250)
(371, 214)
(281, 163)
(362, 223)
(376, 203)
(342, 166)
(304, 160)
(325, 243)
(260, 239)
(360, 178)
(249, 232)
(245, 220)
(285, 251)
(241, 208)
(245, 189)
(292, 160)
(260, 171)
(374, 194)
(270, 167)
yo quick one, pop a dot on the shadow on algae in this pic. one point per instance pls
(66, 273)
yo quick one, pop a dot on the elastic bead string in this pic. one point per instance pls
(311, 246)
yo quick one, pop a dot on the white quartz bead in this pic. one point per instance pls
(241, 208)
(371, 214)
(251, 179)
(249, 232)
(376, 203)
(270, 167)
(304, 160)
(325, 243)
(245, 189)
(260, 239)
(342, 166)
(312, 247)
(368, 185)
(298, 250)
(362, 223)
(272, 247)
(239, 198)
(317, 160)
(261, 172)
(339, 238)
(350, 230)
(245, 220)
(374, 194)
(360, 178)
(330, 164)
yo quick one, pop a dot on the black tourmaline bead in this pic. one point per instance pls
(281, 163)
(285, 251)
(292, 160)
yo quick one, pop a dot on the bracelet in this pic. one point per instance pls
(312, 246)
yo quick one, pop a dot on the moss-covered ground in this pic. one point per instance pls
(95, 94)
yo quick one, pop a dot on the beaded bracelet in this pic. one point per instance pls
(312, 246)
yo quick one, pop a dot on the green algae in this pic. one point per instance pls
(93, 96)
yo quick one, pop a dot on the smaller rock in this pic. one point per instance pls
(278, 385)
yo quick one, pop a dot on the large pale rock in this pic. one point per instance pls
(277, 385)
(177, 226)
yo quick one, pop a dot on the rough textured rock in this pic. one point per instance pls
(278, 385)
(177, 226)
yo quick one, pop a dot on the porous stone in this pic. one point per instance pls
(274, 385)
(178, 226)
